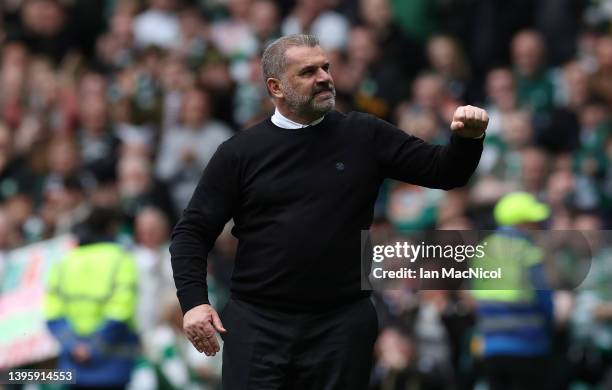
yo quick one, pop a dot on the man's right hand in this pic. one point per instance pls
(201, 324)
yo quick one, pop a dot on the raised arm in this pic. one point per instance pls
(410, 159)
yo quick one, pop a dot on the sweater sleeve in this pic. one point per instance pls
(410, 159)
(211, 206)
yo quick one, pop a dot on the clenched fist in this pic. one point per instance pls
(201, 325)
(470, 121)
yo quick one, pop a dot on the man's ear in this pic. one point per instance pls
(274, 87)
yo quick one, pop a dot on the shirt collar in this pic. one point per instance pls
(283, 122)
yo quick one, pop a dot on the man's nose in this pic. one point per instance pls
(323, 76)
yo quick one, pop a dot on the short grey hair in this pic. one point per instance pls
(273, 60)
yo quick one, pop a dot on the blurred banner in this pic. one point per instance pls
(24, 337)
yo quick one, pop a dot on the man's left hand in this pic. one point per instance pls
(470, 121)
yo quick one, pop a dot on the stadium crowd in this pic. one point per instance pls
(121, 103)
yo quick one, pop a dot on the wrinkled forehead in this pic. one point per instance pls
(302, 56)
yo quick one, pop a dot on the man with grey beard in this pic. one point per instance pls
(300, 187)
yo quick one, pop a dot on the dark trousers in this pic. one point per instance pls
(267, 349)
(516, 373)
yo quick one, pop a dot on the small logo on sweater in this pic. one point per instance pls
(340, 166)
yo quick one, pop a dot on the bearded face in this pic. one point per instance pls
(317, 102)
(306, 87)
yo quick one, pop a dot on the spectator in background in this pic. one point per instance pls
(422, 124)
(90, 306)
(151, 236)
(601, 81)
(215, 76)
(586, 51)
(233, 36)
(227, 66)
(174, 79)
(15, 58)
(591, 336)
(63, 161)
(98, 144)
(14, 173)
(106, 194)
(45, 29)
(10, 14)
(251, 105)
(51, 94)
(162, 364)
(377, 15)
(91, 85)
(410, 207)
(115, 48)
(62, 157)
(514, 313)
(435, 324)
(138, 86)
(429, 97)
(559, 190)
(192, 44)
(487, 28)
(186, 150)
(591, 161)
(264, 18)
(17, 188)
(138, 189)
(374, 84)
(42, 90)
(559, 20)
(557, 130)
(7, 237)
(158, 25)
(574, 90)
(316, 17)
(418, 18)
(64, 205)
(606, 184)
(501, 171)
(88, 19)
(452, 214)
(394, 358)
(20, 209)
(535, 163)
(501, 99)
(535, 88)
(448, 60)
(595, 126)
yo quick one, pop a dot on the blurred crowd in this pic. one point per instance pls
(121, 104)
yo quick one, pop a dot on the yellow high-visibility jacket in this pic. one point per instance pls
(92, 284)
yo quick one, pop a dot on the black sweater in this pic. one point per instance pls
(299, 199)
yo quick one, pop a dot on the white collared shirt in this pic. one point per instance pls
(285, 123)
